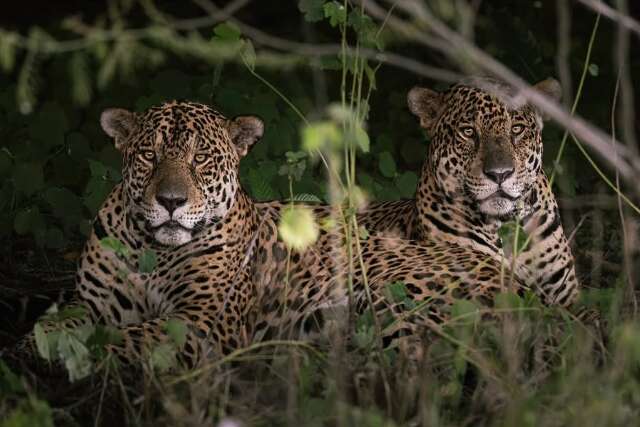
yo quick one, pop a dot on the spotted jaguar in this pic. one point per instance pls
(483, 168)
(221, 268)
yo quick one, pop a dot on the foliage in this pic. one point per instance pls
(298, 228)
(528, 365)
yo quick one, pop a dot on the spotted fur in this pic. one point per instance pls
(221, 268)
(484, 167)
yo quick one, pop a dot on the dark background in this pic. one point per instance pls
(77, 164)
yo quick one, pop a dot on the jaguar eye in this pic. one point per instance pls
(200, 158)
(517, 129)
(148, 155)
(467, 131)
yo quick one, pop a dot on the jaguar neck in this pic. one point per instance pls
(237, 228)
(453, 219)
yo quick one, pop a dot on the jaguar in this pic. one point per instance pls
(221, 268)
(484, 168)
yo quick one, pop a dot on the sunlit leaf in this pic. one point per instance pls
(362, 139)
(163, 357)
(298, 228)
(248, 54)
(42, 342)
(227, 32)
(321, 135)
(7, 51)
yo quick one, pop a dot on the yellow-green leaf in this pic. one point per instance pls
(298, 228)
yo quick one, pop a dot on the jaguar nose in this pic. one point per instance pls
(171, 202)
(498, 174)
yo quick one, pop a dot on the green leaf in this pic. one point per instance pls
(465, 310)
(148, 261)
(70, 312)
(114, 245)
(248, 54)
(42, 342)
(298, 228)
(362, 139)
(227, 32)
(397, 291)
(64, 204)
(49, 125)
(98, 170)
(9, 382)
(336, 13)
(177, 330)
(30, 412)
(28, 178)
(407, 183)
(312, 9)
(306, 197)
(163, 357)
(387, 164)
(261, 189)
(371, 75)
(29, 220)
(104, 335)
(7, 51)
(512, 232)
(75, 354)
(96, 192)
(365, 28)
(508, 300)
(363, 339)
(321, 135)
(78, 147)
(594, 70)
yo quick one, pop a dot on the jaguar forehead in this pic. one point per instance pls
(176, 127)
(511, 98)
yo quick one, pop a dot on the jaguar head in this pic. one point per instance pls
(180, 165)
(486, 141)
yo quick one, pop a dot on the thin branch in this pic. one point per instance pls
(56, 47)
(459, 49)
(306, 49)
(609, 12)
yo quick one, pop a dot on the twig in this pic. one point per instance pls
(605, 10)
(452, 44)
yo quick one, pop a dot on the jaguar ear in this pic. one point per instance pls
(427, 105)
(551, 88)
(118, 123)
(245, 131)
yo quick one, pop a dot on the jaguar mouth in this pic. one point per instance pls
(499, 204)
(171, 225)
(501, 194)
